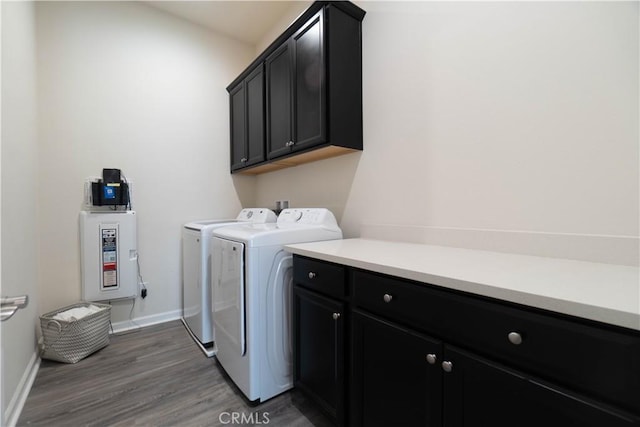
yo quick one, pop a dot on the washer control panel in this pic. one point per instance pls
(306, 216)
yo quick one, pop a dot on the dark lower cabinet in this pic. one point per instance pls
(403, 378)
(417, 355)
(393, 382)
(319, 335)
(479, 393)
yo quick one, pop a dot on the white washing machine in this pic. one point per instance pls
(196, 272)
(252, 279)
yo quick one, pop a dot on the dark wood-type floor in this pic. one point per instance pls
(154, 377)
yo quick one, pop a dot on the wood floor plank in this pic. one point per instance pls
(154, 377)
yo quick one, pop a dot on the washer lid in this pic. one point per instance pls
(199, 225)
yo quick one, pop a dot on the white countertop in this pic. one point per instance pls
(602, 292)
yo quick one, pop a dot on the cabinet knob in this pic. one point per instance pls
(289, 144)
(447, 366)
(243, 160)
(432, 359)
(336, 316)
(515, 338)
(312, 275)
(387, 298)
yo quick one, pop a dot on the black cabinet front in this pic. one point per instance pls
(296, 91)
(397, 380)
(279, 100)
(247, 120)
(319, 350)
(418, 355)
(309, 95)
(479, 393)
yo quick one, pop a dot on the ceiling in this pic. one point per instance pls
(247, 21)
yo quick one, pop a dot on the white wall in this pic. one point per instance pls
(128, 86)
(19, 203)
(295, 9)
(505, 126)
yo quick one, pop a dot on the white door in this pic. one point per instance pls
(229, 289)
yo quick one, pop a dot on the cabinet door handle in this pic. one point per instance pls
(243, 160)
(515, 338)
(336, 316)
(289, 144)
(387, 298)
(312, 275)
(432, 359)
(447, 366)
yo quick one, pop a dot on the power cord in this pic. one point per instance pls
(143, 292)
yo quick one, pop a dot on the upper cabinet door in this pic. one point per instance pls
(238, 126)
(247, 120)
(279, 99)
(254, 86)
(309, 106)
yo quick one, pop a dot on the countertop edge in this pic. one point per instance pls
(585, 311)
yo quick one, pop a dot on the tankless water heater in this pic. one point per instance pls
(108, 253)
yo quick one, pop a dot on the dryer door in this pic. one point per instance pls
(229, 303)
(278, 373)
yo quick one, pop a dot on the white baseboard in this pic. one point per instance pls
(141, 322)
(14, 408)
(623, 250)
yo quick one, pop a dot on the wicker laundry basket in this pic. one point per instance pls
(71, 341)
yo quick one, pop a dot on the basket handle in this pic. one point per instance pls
(56, 323)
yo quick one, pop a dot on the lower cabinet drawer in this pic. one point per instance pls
(600, 361)
(320, 276)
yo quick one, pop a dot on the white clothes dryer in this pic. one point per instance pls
(252, 281)
(196, 273)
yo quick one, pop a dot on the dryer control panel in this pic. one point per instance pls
(257, 215)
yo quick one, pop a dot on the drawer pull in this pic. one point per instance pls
(387, 298)
(515, 338)
(312, 275)
(432, 359)
(336, 316)
(447, 366)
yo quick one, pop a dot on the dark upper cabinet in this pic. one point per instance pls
(279, 72)
(296, 113)
(247, 120)
(313, 88)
